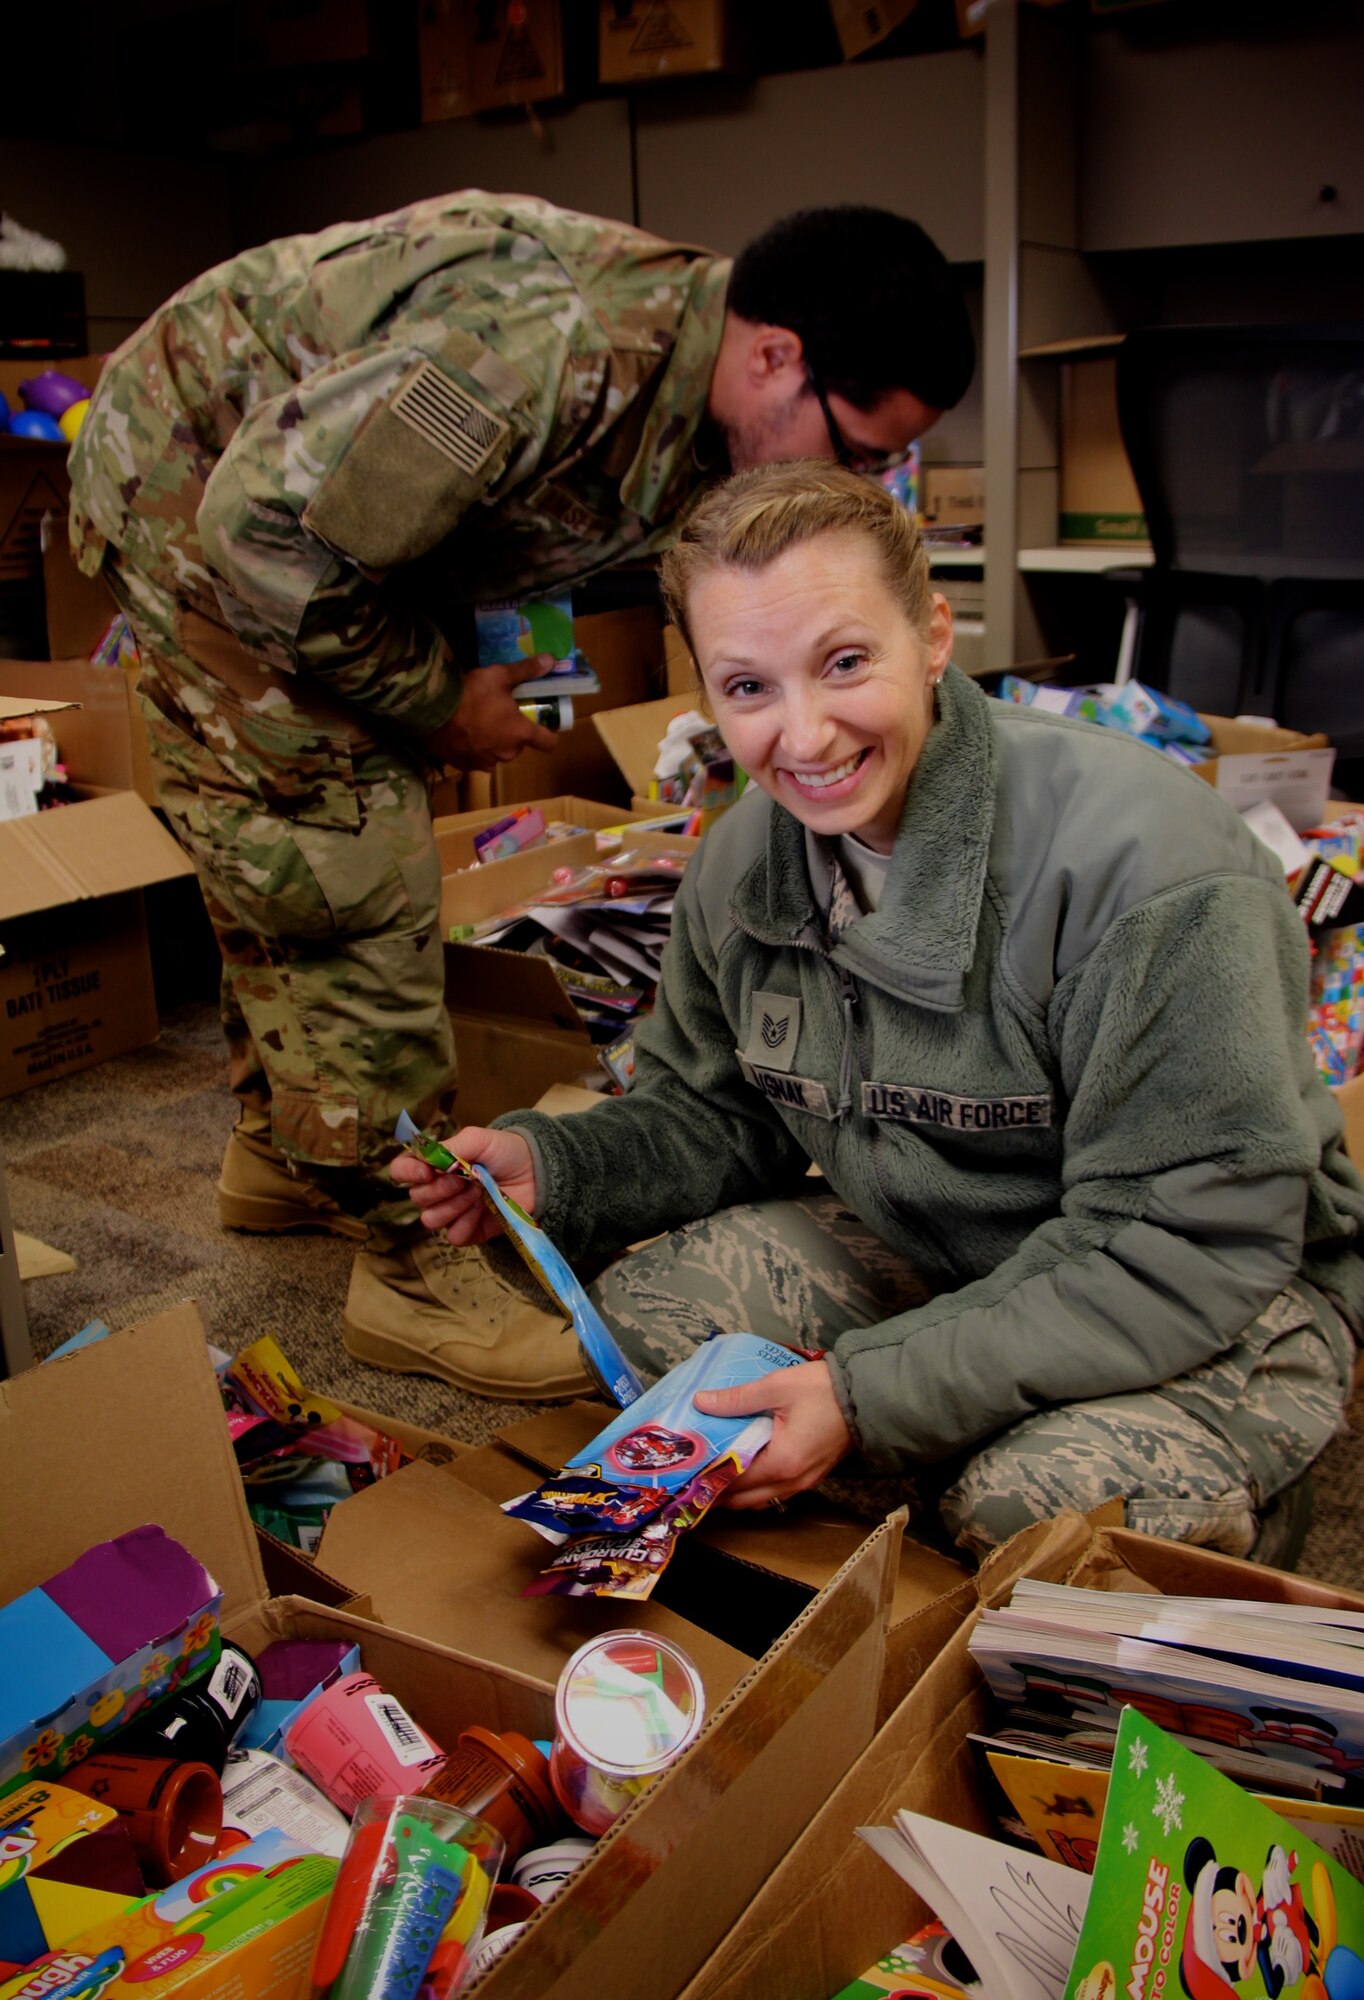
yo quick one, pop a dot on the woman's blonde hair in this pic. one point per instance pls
(757, 516)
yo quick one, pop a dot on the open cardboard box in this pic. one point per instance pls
(731, 1588)
(747, 1598)
(832, 1907)
(632, 735)
(76, 975)
(131, 1430)
(1250, 762)
(79, 611)
(516, 1030)
(455, 831)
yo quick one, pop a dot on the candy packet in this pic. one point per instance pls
(620, 1504)
(629, 1565)
(602, 1358)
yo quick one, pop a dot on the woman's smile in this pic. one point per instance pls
(836, 782)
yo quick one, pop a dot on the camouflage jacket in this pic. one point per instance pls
(339, 436)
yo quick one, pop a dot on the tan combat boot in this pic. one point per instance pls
(472, 1318)
(258, 1192)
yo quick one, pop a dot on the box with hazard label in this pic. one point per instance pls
(662, 38)
(489, 57)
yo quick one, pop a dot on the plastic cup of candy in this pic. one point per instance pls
(626, 1707)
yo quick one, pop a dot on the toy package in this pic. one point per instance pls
(524, 827)
(603, 1359)
(1335, 1015)
(66, 1864)
(298, 1453)
(124, 1625)
(928, 1966)
(618, 1507)
(1152, 717)
(236, 1925)
(409, 1904)
(293, 1673)
(694, 767)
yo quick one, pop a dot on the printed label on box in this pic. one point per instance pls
(1297, 781)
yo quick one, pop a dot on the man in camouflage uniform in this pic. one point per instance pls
(296, 478)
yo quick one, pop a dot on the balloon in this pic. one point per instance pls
(52, 391)
(71, 419)
(35, 424)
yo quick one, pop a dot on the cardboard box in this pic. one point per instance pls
(1099, 498)
(1350, 1098)
(76, 976)
(632, 736)
(679, 669)
(516, 1030)
(488, 57)
(455, 831)
(678, 1869)
(1249, 762)
(832, 1907)
(642, 39)
(80, 610)
(952, 495)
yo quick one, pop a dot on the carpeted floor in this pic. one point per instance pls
(119, 1165)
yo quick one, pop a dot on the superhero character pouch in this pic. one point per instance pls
(620, 1504)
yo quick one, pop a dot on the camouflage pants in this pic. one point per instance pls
(1198, 1459)
(312, 843)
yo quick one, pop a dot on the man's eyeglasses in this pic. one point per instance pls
(855, 459)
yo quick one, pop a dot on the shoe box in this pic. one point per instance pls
(787, 1620)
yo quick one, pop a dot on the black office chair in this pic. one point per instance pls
(1247, 446)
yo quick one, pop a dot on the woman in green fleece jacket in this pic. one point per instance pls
(1031, 999)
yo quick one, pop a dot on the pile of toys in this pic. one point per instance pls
(298, 1453)
(1322, 864)
(55, 407)
(1137, 710)
(187, 1809)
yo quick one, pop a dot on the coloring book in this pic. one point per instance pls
(1200, 1890)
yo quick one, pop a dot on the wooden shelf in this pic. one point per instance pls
(1085, 562)
(954, 558)
(1054, 350)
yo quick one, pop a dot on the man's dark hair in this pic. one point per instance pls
(871, 296)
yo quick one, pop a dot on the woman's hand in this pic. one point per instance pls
(456, 1205)
(809, 1437)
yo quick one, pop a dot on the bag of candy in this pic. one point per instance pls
(620, 1504)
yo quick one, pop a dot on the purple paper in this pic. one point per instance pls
(138, 1588)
